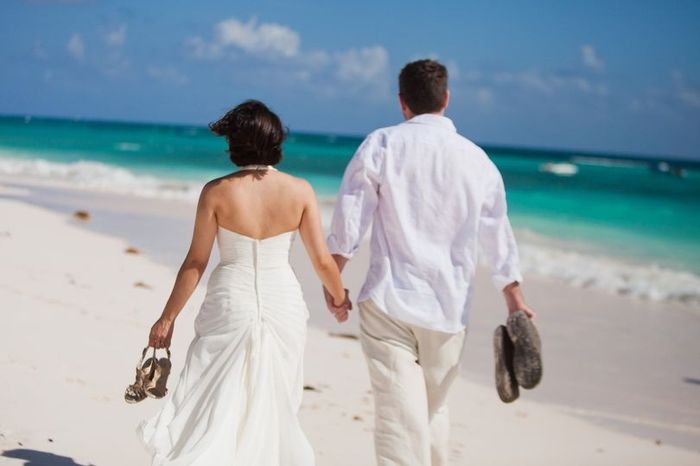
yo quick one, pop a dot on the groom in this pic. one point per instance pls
(434, 198)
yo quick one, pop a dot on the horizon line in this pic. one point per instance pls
(529, 149)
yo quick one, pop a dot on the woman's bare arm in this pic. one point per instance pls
(191, 270)
(315, 244)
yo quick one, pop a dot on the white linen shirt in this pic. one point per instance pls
(435, 198)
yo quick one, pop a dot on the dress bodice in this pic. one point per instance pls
(236, 248)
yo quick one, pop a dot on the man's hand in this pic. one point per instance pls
(515, 300)
(339, 312)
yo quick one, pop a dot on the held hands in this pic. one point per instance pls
(339, 311)
(161, 333)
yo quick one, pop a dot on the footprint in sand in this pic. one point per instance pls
(76, 380)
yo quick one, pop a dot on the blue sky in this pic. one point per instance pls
(609, 76)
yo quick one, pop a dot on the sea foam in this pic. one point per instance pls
(617, 275)
(539, 255)
(100, 176)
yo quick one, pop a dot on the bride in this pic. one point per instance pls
(237, 397)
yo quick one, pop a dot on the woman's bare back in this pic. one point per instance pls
(259, 203)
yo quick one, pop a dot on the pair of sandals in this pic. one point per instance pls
(151, 378)
(518, 356)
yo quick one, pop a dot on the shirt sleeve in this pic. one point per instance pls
(358, 197)
(496, 237)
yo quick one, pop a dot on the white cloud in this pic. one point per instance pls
(271, 39)
(364, 65)
(76, 47)
(549, 83)
(689, 95)
(315, 58)
(527, 79)
(275, 50)
(117, 36)
(266, 37)
(452, 70)
(167, 74)
(484, 96)
(591, 59)
(199, 48)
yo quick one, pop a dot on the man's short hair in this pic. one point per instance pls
(423, 86)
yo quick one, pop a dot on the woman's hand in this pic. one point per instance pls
(161, 333)
(339, 311)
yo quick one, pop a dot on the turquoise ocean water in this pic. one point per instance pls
(625, 223)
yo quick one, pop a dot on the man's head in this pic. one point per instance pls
(423, 88)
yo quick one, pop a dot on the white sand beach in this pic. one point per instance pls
(621, 375)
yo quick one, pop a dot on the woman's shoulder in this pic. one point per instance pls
(214, 185)
(289, 183)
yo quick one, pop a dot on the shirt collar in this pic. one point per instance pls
(433, 120)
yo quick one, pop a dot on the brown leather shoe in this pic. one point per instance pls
(527, 349)
(506, 384)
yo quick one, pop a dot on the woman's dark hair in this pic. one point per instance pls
(423, 86)
(254, 134)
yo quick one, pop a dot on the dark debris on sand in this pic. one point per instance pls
(83, 215)
(348, 336)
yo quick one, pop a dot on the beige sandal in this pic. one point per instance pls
(154, 386)
(136, 392)
(151, 377)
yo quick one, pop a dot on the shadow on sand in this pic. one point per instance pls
(40, 458)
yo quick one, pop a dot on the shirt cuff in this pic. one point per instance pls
(501, 281)
(334, 247)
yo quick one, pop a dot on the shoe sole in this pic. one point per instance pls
(506, 384)
(162, 371)
(527, 349)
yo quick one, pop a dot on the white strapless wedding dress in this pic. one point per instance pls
(237, 397)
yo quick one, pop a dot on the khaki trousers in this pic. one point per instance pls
(411, 369)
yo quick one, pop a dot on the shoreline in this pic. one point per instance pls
(599, 432)
(573, 263)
